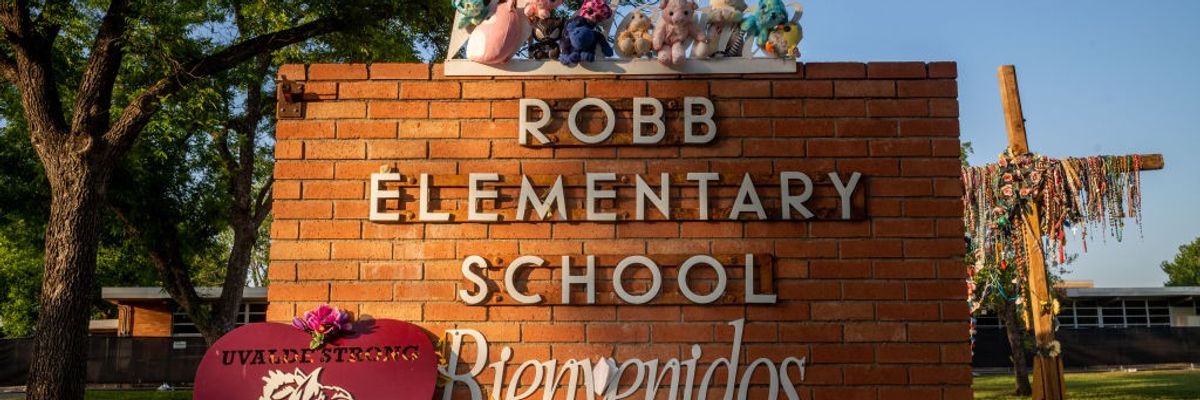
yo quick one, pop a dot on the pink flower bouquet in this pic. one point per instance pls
(324, 322)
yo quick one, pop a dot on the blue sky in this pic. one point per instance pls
(1097, 77)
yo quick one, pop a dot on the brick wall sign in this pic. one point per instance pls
(793, 236)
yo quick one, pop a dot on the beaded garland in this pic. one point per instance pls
(1071, 193)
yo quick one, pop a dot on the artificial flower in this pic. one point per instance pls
(323, 322)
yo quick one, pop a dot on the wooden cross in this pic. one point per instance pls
(1047, 371)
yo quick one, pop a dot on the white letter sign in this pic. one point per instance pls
(845, 190)
(379, 196)
(533, 128)
(706, 118)
(610, 121)
(474, 194)
(593, 194)
(542, 207)
(640, 120)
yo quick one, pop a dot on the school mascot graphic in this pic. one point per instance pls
(281, 385)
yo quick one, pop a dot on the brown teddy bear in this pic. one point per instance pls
(635, 41)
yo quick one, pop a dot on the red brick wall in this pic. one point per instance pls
(875, 304)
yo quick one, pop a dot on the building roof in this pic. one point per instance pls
(127, 293)
(1171, 291)
(1075, 284)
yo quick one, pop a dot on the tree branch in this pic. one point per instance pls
(14, 17)
(262, 202)
(121, 135)
(252, 114)
(33, 71)
(165, 251)
(222, 143)
(100, 74)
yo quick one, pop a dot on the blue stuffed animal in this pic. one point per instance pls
(473, 12)
(579, 40)
(771, 13)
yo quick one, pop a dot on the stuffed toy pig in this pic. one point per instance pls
(499, 36)
(676, 24)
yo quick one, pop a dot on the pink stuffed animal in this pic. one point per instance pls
(596, 11)
(541, 9)
(676, 23)
(499, 36)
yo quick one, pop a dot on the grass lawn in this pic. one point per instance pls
(1105, 385)
(137, 395)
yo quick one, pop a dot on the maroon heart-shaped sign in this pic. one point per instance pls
(381, 359)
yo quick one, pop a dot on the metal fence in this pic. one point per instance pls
(1102, 347)
(116, 360)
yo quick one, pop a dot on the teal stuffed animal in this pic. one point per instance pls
(771, 13)
(473, 12)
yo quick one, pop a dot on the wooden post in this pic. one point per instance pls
(1048, 381)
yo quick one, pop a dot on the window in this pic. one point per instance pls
(1087, 314)
(1115, 314)
(181, 325)
(1066, 314)
(1158, 313)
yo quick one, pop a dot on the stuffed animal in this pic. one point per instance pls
(596, 11)
(676, 24)
(581, 35)
(635, 41)
(725, 13)
(784, 41)
(497, 38)
(473, 12)
(543, 45)
(541, 9)
(579, 41)
(771, 13)
(722, 15)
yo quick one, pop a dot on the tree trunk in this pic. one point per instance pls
(1010, 316)
(227, 309)
(247, 210)
(59, 367)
